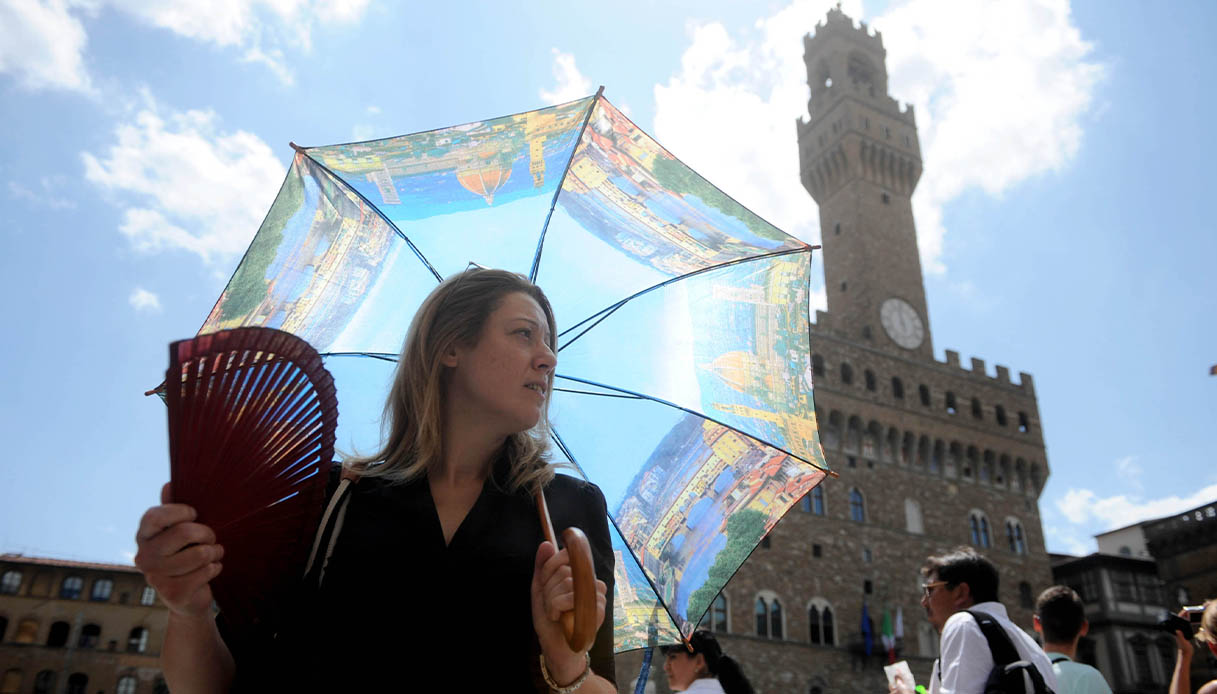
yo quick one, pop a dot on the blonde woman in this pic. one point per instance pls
(1181, 681)
(438, 574)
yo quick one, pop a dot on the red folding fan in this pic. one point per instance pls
(252, 413)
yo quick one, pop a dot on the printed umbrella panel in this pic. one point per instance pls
(684, 378)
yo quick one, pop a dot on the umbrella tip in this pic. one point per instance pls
(296, 147)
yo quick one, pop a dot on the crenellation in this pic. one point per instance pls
(1024, 380)
(952, 358)
(978, 366)
(1003, 373)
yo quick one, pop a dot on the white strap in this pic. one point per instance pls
(339, 498)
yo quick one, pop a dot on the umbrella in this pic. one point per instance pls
(684, 381)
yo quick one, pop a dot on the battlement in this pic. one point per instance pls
(837, 23)
(977, 367)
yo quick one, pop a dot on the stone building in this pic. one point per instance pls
(1185, 547)
(70, 627)
(931, 454)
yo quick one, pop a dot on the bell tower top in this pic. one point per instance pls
(860, 159)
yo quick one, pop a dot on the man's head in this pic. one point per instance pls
(956, 581)
(1060, 616)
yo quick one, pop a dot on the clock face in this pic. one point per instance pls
(902, 323)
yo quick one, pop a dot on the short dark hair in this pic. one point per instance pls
(1061, 614)
(964, 565)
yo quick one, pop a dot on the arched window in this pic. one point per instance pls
(11, 683)
(892, 445)
(817, 365)
(1014, 536)
(897, 388)
(768, 615)
(936, 457)
(973, 462)
(819, 620)
(976, 411)
(951, 409)
(71, 588)
(912, 517)
(869, 377)
(148, 596)
(44, 682)
(90, 636)
(102, 588)
(1035, 478)
(137, 641)
(847, 373)
(1024, 595)
(1003, 470)
(853, 435)
(27, 631)
(923, 452)
(986, 467)
(870, 440)
(10, 582)
(978, 524)
(999, 413)
(58, 636)
(762, 618)
(78, 683)
(813, 502)
(1019, 483)
(907, 448)
(1023, 425)
(775, 619)
(857, 506)
(716, 616)
(924, 391)
(159, 687)
(126, 685)
(830, 435)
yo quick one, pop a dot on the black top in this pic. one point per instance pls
(398, 606)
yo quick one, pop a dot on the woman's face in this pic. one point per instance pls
(502, 382)
(682, 668)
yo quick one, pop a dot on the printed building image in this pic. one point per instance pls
(931, 454)
(70, 627)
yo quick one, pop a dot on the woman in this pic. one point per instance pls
(1181, 681)
(436, 575)
(703, 669)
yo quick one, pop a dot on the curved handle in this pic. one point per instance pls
(578, 624)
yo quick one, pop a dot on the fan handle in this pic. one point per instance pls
(578, 624)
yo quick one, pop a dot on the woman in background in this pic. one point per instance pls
(704, 669)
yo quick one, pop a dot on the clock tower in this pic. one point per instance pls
(860, 159)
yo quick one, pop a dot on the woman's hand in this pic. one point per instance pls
(178, 557)
(552, 594)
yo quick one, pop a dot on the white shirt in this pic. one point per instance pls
(705, 685)
(966, 660)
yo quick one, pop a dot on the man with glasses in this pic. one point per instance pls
(963, 580)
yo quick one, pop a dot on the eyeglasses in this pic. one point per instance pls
(457, 284)
(929, 587)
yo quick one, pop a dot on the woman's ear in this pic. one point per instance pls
(699, 665)
(450, 357)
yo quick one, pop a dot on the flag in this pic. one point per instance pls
(899, 623)
(888, 636)
(867, 629)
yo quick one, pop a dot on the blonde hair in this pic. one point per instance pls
(1208, 623)
(453, 314)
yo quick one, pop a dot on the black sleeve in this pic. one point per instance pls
(596, 527)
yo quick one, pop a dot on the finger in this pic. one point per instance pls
(179, 590)
(190, 560)
(166, 495)
(559, 597)
(556, 562)
(544, 551)
(153, 554)
(159, 518)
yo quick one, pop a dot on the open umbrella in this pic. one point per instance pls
(684, 380)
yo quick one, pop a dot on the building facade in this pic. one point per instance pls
(71, 627)
(931, 454)
(1185, 547)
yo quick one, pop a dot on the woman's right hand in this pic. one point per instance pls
(178, 556)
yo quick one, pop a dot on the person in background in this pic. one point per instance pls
(1181, 681)
(704, 669)
(963, 580)
(1060, 618)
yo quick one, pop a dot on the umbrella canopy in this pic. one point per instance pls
(683, 386)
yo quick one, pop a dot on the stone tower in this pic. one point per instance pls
(859, 158)
(931, 454)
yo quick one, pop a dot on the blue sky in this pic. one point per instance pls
(1067, 151)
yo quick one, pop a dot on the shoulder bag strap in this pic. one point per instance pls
(329, 528)
(1000, 645)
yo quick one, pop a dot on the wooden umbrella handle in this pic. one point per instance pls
(578, 624)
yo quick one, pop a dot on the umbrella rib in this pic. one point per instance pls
(618, 304)
(383, 356)
(536, 258)
(374, 208)
(655, 589)
(599, 395)
(661, 401)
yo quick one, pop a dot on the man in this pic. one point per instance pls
(963, 580)
(1060, 618)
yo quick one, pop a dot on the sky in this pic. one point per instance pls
(1067, 151)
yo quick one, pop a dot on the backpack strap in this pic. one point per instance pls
(1000, 645)
(329, 528)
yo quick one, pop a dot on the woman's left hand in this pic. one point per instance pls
(552, 594)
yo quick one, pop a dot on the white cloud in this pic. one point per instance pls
(1083, 506)
(1069, 540)
(571, 83)
(185, 183)
(42, 44)
(999, 90)
(45, 193)
(143, 300)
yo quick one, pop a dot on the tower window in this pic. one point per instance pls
(868, 586)
(817, 551)
(924, 392)
(897, 388)
(844, 286)
(847, 374)
(1023, 425)
(999, 413)
(951, 409)
(870, 379)
(887, 199)
(887, 132)
(836, 229)
(817, 365)
(866, 332)
(976, 412)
